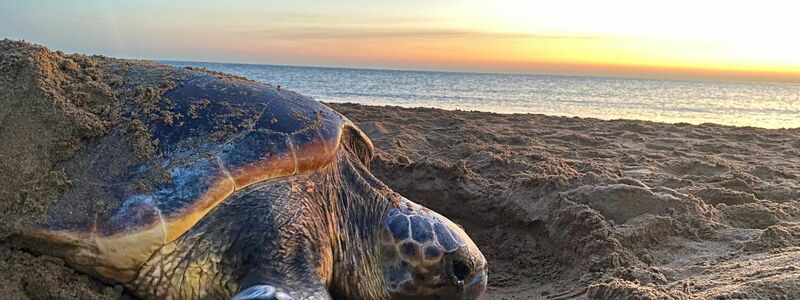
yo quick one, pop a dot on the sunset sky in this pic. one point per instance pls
(744, 40)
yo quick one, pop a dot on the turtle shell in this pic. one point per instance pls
(221, 134)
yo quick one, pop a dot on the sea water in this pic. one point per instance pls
(770, 105)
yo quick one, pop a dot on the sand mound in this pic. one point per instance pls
(51, 106)
(561, 207)
(57, 101)
(776, 236)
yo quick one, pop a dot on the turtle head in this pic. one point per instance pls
(426, 255)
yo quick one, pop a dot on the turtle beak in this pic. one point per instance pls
(475, 284)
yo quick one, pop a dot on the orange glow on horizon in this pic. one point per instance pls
(487, 52)
(681, 39)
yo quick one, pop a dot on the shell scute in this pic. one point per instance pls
(244, 133)
(226, 135)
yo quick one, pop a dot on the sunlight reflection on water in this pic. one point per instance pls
(731, 103)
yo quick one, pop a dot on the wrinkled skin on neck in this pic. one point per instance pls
(308, 236)
(363, 202)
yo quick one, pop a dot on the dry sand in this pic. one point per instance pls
(561, 207)
(585, 208)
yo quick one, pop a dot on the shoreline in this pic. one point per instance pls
(592, 119)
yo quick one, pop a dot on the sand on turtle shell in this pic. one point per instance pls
(50, 105)
(561, 207)
(53, 105)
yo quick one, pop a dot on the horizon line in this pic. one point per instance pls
(654, 76)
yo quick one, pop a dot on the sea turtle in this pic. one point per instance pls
(254, 193)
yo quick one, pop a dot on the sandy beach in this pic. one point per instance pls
(561, 207)
(584, 208)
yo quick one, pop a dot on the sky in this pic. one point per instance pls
(683, 39)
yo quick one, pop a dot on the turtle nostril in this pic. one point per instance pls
(460, 269)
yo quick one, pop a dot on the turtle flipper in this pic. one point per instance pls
(273, 292)
(261, 292)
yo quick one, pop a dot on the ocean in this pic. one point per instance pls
(769, 105)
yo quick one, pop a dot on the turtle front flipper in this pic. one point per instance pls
(265, 241)
(261, 292)
(269, 292)
(295, 260)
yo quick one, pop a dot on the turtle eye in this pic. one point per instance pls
(460, 269)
